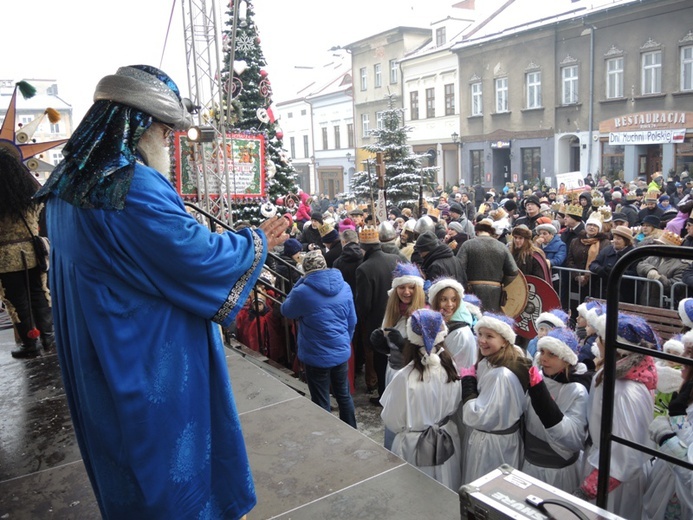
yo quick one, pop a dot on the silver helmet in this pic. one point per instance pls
(386, 232)
(424, 224)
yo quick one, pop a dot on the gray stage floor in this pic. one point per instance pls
(306, 463)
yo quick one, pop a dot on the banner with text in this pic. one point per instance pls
(647, 137)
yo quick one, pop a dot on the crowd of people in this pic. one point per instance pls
(460, 391)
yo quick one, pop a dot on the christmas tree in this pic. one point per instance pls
(250, 96)
(404, 175)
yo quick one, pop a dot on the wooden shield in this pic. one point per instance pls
(541, 298)
(516, 296)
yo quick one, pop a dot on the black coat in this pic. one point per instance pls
(373, 280)
(349, 259)
(334, 253)
(569, 235)
(443, 262)
(604, 264)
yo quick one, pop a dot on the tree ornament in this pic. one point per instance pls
(239, 66)
(279, 201)
(268, 210)
(263, 73)
(284, 156)
(280, 134)
(262, 115)
(271, 168)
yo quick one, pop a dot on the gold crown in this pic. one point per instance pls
(557, 207)
(433, 212)
(670, 238)
(325, 229)
(598, 202)
(369, 235)
(574, 210)
(631, 196)
(605, 213)
(652, 196)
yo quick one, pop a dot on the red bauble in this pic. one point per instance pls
(279, 201)
(257, 40)
(33, 334)
(280, 135)
(263, 73)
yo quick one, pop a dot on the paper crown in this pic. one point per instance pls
(574, 210)
(597, 200)
(605, 212)
(433, 212)
(631, 196)
(369, 235)
(325, 228)
(670, 238)
(557, 207)
(652, 196)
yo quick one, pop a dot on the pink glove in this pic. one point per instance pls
(471, 371)
(535, 376)
(589, 486)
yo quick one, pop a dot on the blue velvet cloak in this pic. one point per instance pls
(135, 293)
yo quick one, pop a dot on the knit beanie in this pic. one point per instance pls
(291, 247)
(317, 216)
(314, 261)
(427, 242)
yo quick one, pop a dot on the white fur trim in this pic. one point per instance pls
(669, 379)
(403, 280)
(476, 311)
(417, 339)
(592, 319)
(441, 285)
(553, 320)
(559, 348)
(582, 310)
(595, 350)
(673, 346)
(683, 315)
(498, 326)
(687, 339)
(599, 323)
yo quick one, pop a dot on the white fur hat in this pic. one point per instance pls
(686, 312)
(674, 346)
(550, 320)
(442, 284)
(561, 342)
(499, 323)
(594, 219)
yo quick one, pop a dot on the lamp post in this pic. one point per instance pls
(456, 140)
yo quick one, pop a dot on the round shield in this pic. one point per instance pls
(515, 296)
(541, 298)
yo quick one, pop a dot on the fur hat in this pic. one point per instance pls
(555, 318)
(562, 342)
(485, 225)
(594, 219)
(426, 328)
(522, 231)
(498, 214)
(291, 247)
(314, 261)
(549, 228)
(674, 345)
(499, 323)
(406, 274)
(584, 308)
(651, 220)
(686, 312)
(444, 283)
(623, 232)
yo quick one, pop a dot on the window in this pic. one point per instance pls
(306, 148)
(325, 144)
(350, 135)
(25, 120)
(377, 76)
(56, 157)
(501, 95)
(365, 125)
(533, 89)
(394, 72)
(303, 112)
(450, 99)
(612, 159)
(289, 115)
(292, 147)
(477, 99)
(476, 160)
(652, 72)
(531, 164)
(440, 37)
(614, 78)
(687, 68)
(379, 120)
(569, 77)
(337, 140)
(414, 104)
(55, 128)
(430, 102)
(364, 78)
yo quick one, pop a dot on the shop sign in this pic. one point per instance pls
(642, 121)
(647, 137)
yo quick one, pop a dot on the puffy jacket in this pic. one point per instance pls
(556, 251)
(323, 305)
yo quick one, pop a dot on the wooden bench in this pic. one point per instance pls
(665, 322)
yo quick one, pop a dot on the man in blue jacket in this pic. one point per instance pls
(322, 304)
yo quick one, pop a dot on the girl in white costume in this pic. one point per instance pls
(420, 399)
(493, 393)
(556, 416)
(636, 380)
(446, 296)
(669, 492)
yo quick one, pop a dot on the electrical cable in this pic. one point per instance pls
(168, 30)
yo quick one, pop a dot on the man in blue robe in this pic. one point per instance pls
(138, 286)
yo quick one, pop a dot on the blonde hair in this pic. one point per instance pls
(392, 314)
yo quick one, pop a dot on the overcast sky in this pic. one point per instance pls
(77, 42)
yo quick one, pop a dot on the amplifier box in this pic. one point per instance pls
(506, 493)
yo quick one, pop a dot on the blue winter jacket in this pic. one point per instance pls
(556, 251)
(323, 305)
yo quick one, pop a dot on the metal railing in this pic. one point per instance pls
(276, 292)
(612, 301)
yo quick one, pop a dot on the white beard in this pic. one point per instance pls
(154, 153)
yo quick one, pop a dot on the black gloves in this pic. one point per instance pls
(679, 400)
(395, 338)
(379, 343)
